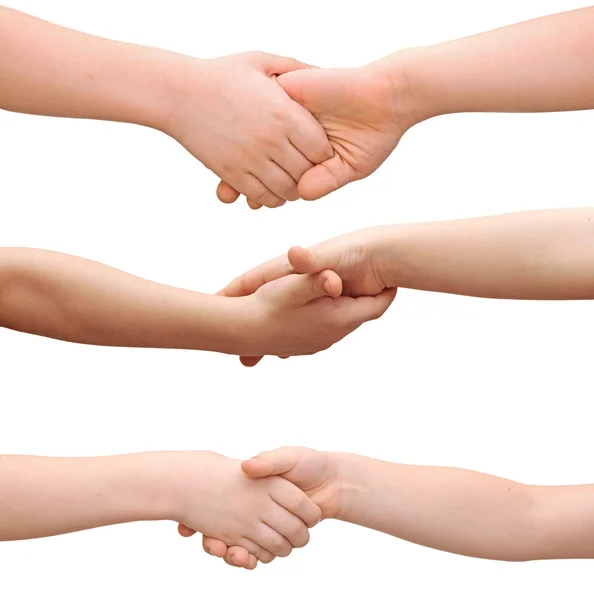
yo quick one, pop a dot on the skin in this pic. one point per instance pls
(54, 71)
(454, 510)
(44, 496)
(69, 298)
(542, 65)
(539, 255)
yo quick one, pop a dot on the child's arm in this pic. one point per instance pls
(50, 70)
(49, 496)
(449, 509)
(69, 298)
(544, 255)
(546, 64)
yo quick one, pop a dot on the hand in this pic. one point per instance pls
(364, 111)
(358, 258)
(263, 517)
(232, 115)
(316, 473)
(303, 314)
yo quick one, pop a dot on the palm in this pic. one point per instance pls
(356, 108)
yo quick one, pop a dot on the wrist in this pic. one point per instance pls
(181, 76)
(190, 481)
(350, 485)
(410, 71)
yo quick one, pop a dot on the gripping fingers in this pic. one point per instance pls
(271, 540)
(226, 193)
(296, 502)
(277, 180)
(251, 187)
(297, 290)
(237, 557)
(289, 526)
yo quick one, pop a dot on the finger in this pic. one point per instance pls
(256, 550)
(185, 531)
(297, 503)
(289, 526)
(297, 290)
(251, 281)
(277, 180)
(251, 187)
(253, 205)
(272, 540)
(306, 134)
(293, 162)
(214, 547)
(250, 361)
(258, 192)
(274, 64)
(326, 177)
(237, 557)
(272, 462)
(310, 261)
(226, 193)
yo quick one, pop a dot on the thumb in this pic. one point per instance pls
(272, 462)
(325, 178)
(310, 261)
(273, 64)
(294, 291)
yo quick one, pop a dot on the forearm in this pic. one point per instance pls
(50, 70)
(466, 512)
(546, 64)
(65, 297)
(546, 255)
(43, 496)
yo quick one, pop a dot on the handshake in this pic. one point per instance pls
(275, 130)
(262, 509)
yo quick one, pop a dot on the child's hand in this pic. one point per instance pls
(316, 473)
(266, 518)
(302, 314)
(232, 115)
(364, 111)
(359, 260)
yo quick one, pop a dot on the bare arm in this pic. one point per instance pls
(466, 512)
(50, 70)
(450, 509)
(545, 64)
(44, 496)
(545, 255)
(78, 300)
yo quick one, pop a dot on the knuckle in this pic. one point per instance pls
(321, 153)
(281, 548)
(297, 530)
(314, 518)
(288, 190)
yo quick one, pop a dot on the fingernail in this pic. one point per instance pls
(235, 561)
(328, 287)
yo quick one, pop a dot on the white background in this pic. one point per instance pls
(498, 386)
